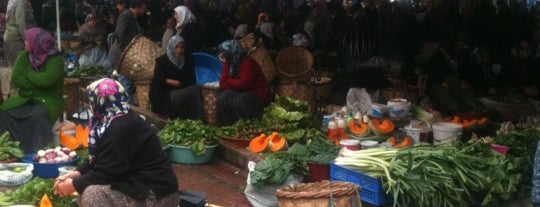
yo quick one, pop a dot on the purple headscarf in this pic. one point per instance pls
(108, 99)
(41, 44)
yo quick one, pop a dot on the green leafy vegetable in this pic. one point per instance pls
(192, 133)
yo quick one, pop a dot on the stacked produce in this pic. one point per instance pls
(189, 133)
(8, 148)
(424, 175)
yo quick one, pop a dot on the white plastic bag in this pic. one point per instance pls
(360, 100)
(265, 196)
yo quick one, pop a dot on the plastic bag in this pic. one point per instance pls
(265, 196)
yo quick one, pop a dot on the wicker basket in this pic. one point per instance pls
(261, 56)
(138, 59)
(210, 95)
(320, 194)
(300, 91)
(142, 88)
(72, 95)
(294, 64)
(411, 93)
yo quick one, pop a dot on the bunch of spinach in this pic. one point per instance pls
(322, 151)
(276, 167)
(189, 133)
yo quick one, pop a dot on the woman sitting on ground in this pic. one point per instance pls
(244, 89)
(173, 92)
(126, 164)
(38, 75)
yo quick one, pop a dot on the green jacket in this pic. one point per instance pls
(46, 86)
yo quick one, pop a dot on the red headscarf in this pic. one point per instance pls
(41, 44)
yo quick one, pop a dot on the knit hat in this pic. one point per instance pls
(90, 17)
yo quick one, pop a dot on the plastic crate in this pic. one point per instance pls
(372, 190)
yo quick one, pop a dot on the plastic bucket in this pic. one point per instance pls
(398, 108)
(417, 134)
(184, 155)
(318, 172)
(379, 110)
(444, 132)
(369, 144)
(350, 144)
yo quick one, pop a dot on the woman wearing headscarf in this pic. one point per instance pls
(38, 74)
(187, 27)
(173, 92)
(244, 89)
(126, 164)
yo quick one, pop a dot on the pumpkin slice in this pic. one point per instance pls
(468, 124)
(381, 128)
(68, 141)
(278, 144)
(259, 144)
(407, 141)
(81, 134)
(45, 201)
(482, 122)
(359, 129)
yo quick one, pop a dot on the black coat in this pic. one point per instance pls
(159, 94)
(131, 160)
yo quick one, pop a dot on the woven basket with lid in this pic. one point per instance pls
(138, 59)
(320, 194)
(294, 64)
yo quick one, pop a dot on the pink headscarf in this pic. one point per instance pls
(41, 45)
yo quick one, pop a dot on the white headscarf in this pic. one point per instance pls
(185, 16)
(178, 61)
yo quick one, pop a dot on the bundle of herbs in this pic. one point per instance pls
(276, 167)
(522, 144)
(31, 193)
(189, 133)
(471, 174)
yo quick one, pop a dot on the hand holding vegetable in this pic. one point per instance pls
(64, 188)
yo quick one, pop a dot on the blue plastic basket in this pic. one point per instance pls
(372, 190)
(48, 170)
(207, 68)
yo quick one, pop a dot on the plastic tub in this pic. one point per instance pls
(417, 134)
(444, 132)
(398, 108)
(184, 155)
(369, 144)
(350, 144)
(379, 110)
(48, 170)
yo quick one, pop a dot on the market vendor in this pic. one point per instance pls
(38, 74)
(126, 165)
(244, 88)
(173, 92)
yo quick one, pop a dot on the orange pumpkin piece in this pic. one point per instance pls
(278, 144)
(68, 141)
(259, 144)
(407, 141)
(482, 121)
(359, 129)
(81, 134)
(392, 140)
(45, 201)
(381, 128)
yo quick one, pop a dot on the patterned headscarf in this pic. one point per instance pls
(42, 46)
(108, 100)
(178, 61)
(185, 16)
(234, 53)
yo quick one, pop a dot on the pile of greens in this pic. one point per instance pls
(9, 148)
(290, 117)
(468, 175)
(522, 144)
(31, 193)
(189, 133)
(87, 71)
(242, 129)
(276, 167)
